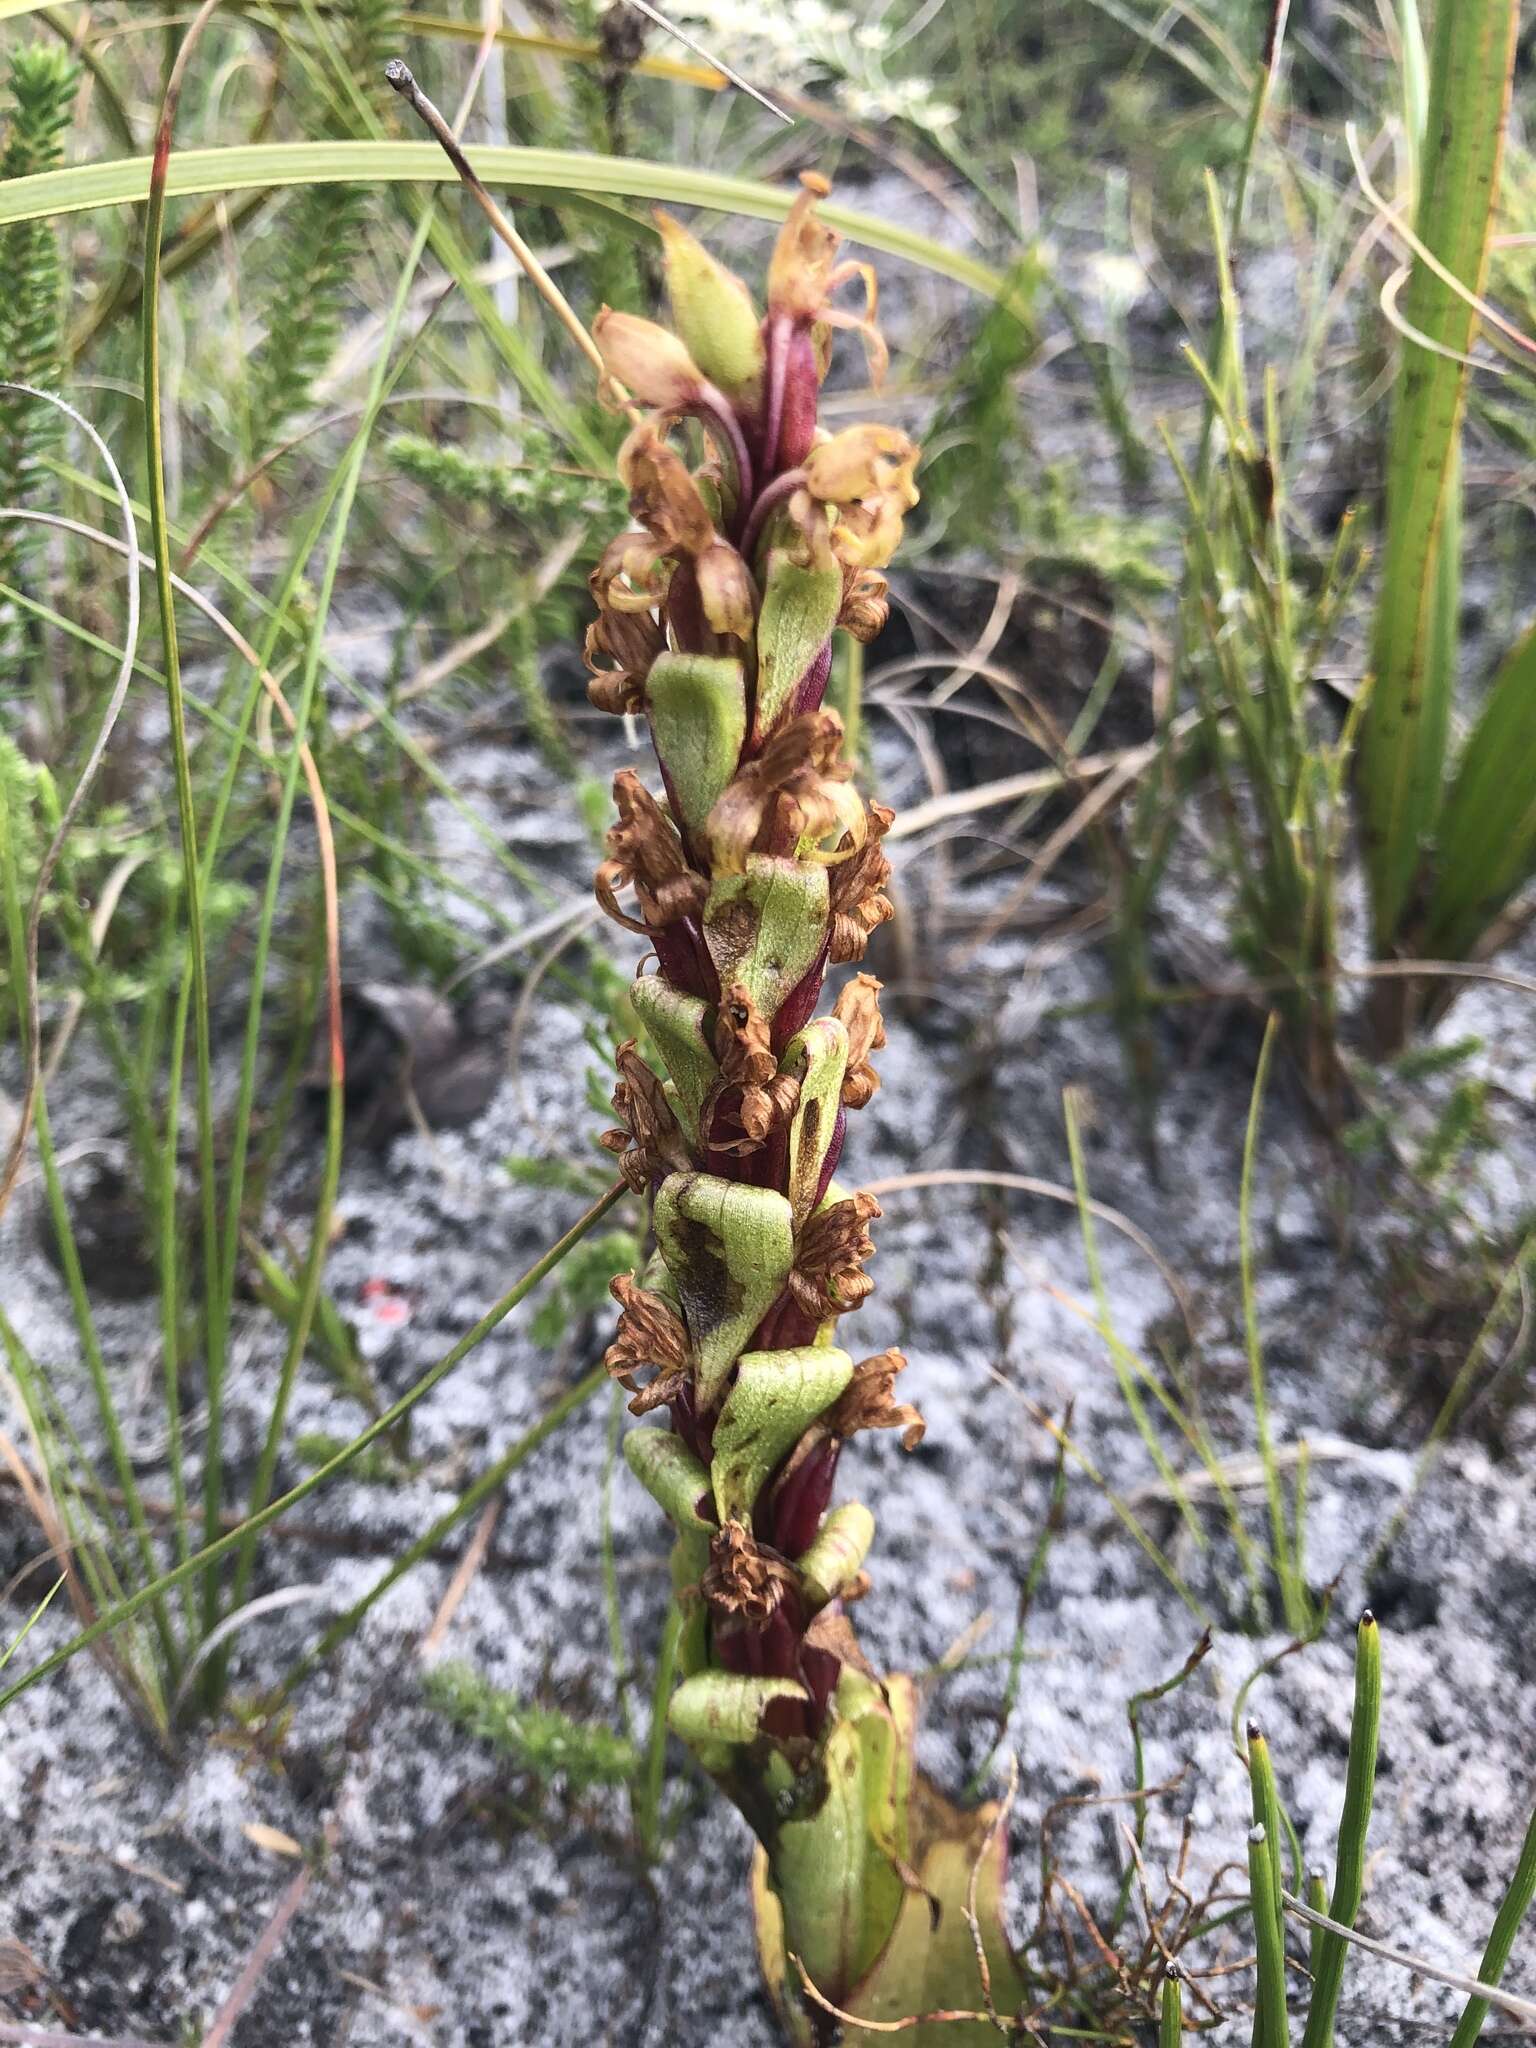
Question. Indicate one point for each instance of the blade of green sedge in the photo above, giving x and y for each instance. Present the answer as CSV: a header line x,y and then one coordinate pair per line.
x,y
1266,1809
1171,2033
1349,1872
1271,2026
1517,1903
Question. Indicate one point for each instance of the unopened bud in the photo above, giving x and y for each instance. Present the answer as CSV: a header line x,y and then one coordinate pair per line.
x,y
714,313
726,592
649,360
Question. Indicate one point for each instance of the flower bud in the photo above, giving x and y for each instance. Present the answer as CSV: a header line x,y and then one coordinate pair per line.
x,y
726,592
714,313
648,360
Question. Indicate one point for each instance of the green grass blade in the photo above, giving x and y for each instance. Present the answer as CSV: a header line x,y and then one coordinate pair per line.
x,y
1401,762
1487,837
1266,1808
648,1798
1517,1903
211,1553
1292,1591
216,1322
1349,1873
1170,2033
30,1623
1272,2028
546,172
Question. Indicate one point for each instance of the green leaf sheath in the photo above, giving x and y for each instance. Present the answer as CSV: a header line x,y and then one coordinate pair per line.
x,y
1402,743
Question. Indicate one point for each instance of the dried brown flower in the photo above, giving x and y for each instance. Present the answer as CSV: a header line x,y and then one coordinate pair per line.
x,y
796,789
858,1010
650,1140
867,1402
748,1063
858,902
866,604
651,1337
621,642
828,1277
646,850
742,1577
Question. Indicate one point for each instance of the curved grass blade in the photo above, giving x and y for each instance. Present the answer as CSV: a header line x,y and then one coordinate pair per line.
x,y
544,172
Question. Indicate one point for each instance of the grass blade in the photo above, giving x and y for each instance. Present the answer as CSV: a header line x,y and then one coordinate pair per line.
x,y
1272,2027
1487,836
548,172
1266,1808
1171,2032
490,1483
1401,762
1349,1873
1517,1903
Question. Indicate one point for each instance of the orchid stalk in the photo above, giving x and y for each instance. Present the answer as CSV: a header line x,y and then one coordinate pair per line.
x,y
755,871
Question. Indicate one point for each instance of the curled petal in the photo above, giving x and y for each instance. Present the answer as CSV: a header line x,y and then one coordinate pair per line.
x,y
858,1011
858,900
863,462
804,256
663,495
828,1277
869,1403
866,604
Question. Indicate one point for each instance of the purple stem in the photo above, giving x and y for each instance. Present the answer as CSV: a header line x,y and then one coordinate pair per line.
x,y
778,336
812,686
714,408
775,494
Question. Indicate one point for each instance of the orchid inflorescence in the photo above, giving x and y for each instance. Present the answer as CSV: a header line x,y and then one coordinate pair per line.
x,y
758,534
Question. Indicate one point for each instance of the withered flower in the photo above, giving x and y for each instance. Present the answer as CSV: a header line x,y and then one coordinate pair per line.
x,y
790,797
857,1009
868,1402
742,1577
651,1337
804,273
644,849
649,1140
749,1064
621,642
828,1278
859,905
663,495
866,604
867,474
